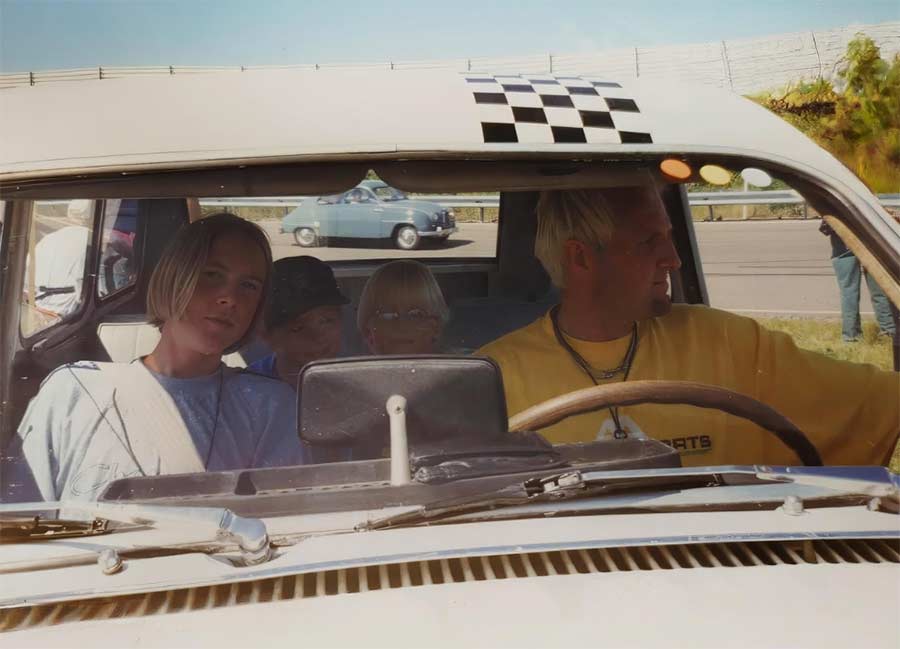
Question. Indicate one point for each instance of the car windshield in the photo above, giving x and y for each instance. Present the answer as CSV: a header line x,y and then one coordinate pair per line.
x,y
492,339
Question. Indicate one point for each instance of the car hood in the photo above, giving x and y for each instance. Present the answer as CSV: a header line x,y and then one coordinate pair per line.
x,y
755,606
64,569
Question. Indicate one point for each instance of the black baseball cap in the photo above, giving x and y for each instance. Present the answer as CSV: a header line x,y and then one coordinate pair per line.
x,y
300,284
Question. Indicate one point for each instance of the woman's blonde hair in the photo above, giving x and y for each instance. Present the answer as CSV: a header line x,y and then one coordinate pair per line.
x,y
405,282
175,276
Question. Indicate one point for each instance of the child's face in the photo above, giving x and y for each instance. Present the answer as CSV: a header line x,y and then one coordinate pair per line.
x,y
403,329
312,336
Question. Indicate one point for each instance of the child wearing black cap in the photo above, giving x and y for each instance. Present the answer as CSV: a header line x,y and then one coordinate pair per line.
x,y
303,318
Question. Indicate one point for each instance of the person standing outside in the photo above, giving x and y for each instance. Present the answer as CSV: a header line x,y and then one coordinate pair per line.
x,y
848,271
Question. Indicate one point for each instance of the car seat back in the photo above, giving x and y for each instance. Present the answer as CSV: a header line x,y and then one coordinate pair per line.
x,y
129,338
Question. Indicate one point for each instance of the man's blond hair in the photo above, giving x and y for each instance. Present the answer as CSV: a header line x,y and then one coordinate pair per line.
x,y
405,283
175,276
581,214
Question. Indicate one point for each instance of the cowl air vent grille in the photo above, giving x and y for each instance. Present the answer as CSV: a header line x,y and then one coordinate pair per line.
x,y
479,568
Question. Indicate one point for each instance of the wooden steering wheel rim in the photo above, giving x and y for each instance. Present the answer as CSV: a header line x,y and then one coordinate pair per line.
x,y
676,392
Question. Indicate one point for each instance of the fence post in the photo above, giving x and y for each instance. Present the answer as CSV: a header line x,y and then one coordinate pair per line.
x,y
727,66
744,206
468,65
550,57
31,78
818,56
100,70
637,65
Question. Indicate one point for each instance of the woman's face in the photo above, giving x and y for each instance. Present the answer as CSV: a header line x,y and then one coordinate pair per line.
x,y
226,298
403,329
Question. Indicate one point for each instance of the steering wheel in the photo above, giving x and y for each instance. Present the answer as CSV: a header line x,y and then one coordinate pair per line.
x,y
680,392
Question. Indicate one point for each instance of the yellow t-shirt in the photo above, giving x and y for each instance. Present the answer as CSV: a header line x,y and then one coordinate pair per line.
x,y
850,412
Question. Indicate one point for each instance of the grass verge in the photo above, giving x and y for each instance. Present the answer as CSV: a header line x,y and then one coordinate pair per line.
x,y
824,336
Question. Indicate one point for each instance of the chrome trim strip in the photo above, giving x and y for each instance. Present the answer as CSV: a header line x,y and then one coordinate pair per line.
x,y
254,574
446,232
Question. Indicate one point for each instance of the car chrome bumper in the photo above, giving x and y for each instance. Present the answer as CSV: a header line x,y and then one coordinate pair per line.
x,y
446,232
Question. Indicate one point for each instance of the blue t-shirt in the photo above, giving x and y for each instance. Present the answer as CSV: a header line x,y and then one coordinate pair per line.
x,y
314,454
264,366
73,441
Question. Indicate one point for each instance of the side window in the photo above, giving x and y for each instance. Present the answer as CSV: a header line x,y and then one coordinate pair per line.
x,y
354,196
59,242
769,255
117,268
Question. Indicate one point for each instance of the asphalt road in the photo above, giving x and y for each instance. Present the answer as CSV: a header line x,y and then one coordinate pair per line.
x,y
758,267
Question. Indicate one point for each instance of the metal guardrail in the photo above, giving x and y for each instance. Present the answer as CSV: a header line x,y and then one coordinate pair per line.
x,y
485,201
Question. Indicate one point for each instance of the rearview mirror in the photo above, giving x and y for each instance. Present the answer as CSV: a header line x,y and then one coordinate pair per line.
x,y
342,402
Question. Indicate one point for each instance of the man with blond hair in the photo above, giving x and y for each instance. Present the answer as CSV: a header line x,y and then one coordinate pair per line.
x,y
610,252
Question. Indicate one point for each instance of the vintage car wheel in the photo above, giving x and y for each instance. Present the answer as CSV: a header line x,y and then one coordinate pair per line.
x,y
676,392
306,237
406,238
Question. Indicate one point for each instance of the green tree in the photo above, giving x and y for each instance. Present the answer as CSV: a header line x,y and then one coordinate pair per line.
x,y
859,124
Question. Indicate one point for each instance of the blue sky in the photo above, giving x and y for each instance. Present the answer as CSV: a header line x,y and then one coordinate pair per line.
x,y
53,34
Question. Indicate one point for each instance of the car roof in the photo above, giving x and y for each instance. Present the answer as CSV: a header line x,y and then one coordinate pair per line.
x,y
64,128
373,184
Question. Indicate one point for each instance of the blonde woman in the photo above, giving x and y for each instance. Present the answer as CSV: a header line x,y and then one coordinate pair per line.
x,y
178,409
402,310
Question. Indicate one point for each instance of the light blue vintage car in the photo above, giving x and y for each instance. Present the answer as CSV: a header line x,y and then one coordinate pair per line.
x,y
371,210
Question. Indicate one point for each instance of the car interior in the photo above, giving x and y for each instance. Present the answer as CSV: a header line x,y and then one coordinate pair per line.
x,y
487,297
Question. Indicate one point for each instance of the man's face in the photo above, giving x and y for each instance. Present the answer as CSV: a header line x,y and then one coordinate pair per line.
x,y
227,295
311,336
632,271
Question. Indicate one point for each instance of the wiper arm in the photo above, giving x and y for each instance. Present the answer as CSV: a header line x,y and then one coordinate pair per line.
x,y
250,534
15,530
561,486
867,481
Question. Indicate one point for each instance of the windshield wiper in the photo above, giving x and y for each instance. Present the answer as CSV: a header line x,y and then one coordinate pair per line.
x,y
863,481
16,530
561,486
250,534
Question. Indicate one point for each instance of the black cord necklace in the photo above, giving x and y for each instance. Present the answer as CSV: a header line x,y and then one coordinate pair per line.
x,y
212,439
595,376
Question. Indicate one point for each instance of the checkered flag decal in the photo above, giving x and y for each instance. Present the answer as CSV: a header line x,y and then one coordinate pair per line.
x,y
545,110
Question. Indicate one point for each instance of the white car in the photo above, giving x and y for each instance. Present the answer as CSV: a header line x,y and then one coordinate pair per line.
x,y
483,539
